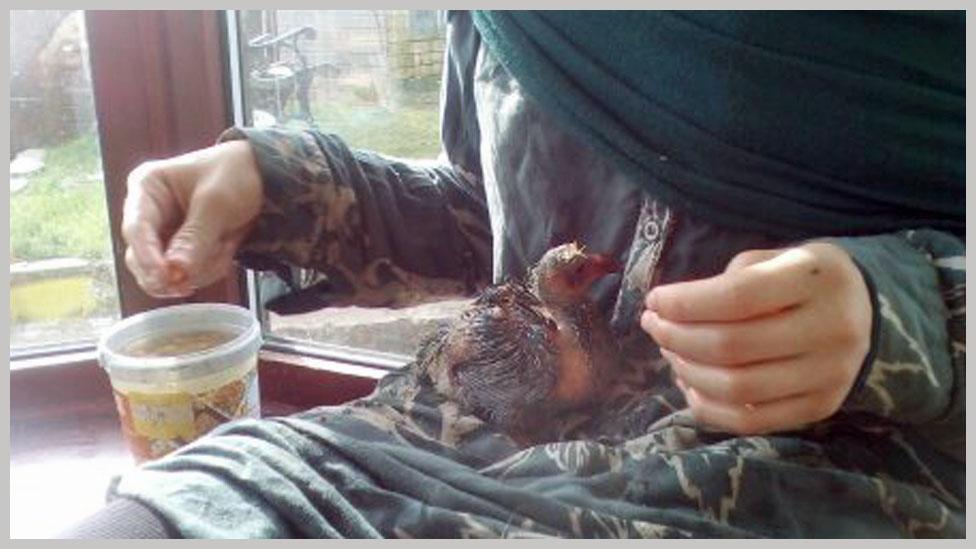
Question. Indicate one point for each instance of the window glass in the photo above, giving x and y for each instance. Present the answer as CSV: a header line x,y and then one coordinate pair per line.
x,y
62,279
373,78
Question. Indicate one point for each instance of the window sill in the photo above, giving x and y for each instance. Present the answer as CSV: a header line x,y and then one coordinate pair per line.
x,y
56,386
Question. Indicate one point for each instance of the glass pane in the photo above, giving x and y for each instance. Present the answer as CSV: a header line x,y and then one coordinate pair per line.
x,y
373,78
370,76
62,279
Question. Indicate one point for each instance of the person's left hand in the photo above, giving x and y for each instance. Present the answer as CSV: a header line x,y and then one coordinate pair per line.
x,y
772,344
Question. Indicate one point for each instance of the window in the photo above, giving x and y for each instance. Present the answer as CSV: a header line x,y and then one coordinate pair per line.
x,y
62,277
373,78
170,98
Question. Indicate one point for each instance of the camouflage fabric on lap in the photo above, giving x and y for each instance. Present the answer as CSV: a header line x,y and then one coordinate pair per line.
x,y
403,463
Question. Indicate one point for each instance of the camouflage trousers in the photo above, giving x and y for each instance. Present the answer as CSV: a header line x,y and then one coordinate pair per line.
x,y
404,462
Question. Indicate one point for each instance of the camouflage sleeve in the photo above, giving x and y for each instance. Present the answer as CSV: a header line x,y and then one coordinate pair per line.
x,y
915,373
375,231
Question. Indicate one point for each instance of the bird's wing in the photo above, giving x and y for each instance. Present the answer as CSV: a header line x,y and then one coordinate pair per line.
x,y
510,366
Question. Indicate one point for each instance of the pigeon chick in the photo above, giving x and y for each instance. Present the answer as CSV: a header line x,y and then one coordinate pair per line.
x,y
524,353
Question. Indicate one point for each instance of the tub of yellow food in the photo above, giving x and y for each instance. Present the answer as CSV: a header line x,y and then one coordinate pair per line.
x,y
178,372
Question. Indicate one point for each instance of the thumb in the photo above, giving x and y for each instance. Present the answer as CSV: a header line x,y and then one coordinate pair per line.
x,y
191,252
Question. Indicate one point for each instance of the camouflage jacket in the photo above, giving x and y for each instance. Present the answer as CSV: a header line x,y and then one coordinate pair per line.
x,y
510,184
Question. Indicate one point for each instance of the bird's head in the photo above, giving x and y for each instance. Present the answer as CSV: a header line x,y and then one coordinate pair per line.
x,y
565,273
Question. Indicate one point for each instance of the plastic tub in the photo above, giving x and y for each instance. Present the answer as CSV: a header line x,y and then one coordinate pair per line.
x,y
178,372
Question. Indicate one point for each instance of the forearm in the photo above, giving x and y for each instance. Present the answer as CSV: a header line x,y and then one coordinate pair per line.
x,y
916,372
383,231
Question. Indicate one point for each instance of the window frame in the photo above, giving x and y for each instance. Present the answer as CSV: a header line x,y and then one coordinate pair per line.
x,y
164,50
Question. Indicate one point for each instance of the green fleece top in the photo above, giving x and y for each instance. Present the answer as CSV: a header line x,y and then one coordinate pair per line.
x,y
809,123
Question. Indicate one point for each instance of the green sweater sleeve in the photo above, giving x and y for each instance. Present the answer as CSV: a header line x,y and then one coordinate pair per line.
x,y
374,230
915,373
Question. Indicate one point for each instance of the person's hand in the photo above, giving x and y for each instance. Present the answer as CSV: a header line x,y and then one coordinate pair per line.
x,y
185,217
772,344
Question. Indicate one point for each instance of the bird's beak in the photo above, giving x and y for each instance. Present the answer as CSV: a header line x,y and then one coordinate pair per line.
x,y
602,264
598,266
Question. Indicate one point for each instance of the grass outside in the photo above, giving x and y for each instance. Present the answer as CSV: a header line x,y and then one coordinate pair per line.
x,y
62,211
409,132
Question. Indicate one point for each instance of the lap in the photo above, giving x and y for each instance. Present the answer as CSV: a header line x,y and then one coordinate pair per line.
x,y
406,462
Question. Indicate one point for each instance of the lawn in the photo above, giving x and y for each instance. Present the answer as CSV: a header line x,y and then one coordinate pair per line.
x,y
409,132
62,211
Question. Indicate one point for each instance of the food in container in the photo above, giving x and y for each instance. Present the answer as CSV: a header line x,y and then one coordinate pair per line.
x,y
178,372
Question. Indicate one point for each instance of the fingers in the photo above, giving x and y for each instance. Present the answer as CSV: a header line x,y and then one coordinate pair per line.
x,y
151,213
750,257
148,211
755,284
781,336
185,216
196,254
148,280
773,343
144,255
757,383
780,415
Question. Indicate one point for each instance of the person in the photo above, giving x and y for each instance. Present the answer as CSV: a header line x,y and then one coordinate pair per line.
x,y
812,381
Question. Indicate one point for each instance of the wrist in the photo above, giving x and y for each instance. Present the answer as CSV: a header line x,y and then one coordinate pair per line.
x,y
248,184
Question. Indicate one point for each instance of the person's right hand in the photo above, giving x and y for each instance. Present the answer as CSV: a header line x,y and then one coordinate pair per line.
x,y
185,217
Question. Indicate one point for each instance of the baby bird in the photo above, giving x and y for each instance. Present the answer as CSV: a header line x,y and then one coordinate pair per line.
x,y
525,352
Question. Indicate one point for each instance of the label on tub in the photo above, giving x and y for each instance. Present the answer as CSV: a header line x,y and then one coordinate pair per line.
x,y
155,424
